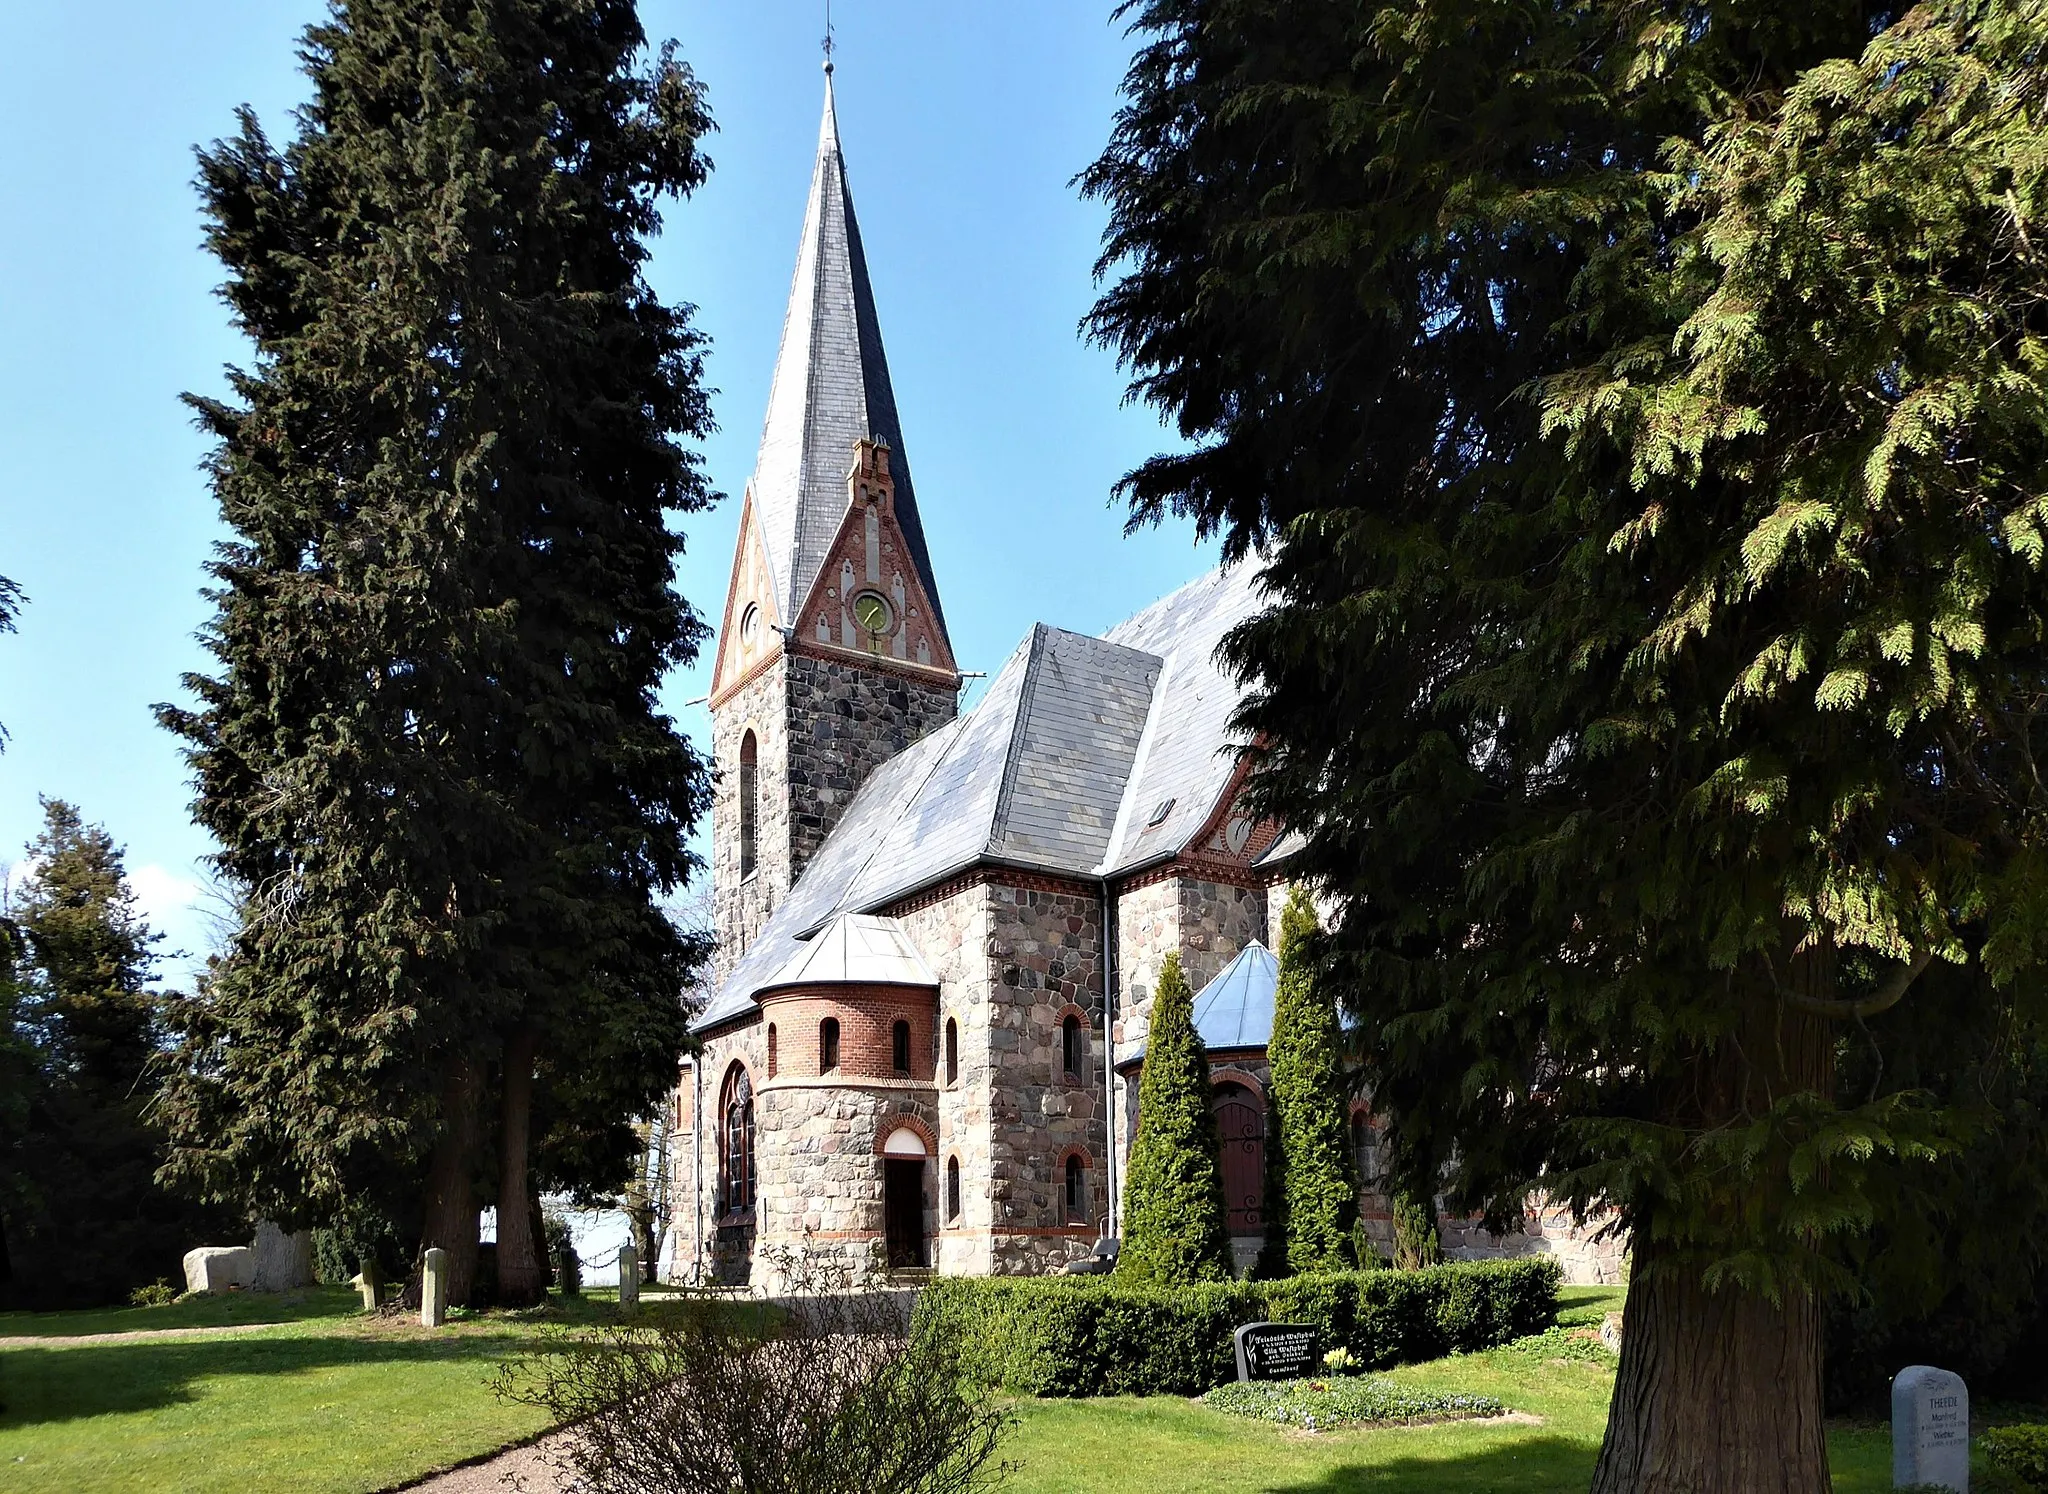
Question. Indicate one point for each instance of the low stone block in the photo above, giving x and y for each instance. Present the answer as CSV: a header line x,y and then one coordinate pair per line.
x,y
434,1289
219,1268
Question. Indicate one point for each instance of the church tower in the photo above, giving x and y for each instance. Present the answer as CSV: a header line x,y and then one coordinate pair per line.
x,y
833,654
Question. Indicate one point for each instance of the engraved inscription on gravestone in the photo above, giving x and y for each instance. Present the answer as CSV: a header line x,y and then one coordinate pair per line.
x,y
1930,1428
1275,1351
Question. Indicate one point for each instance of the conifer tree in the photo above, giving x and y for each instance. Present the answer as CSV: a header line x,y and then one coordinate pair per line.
x,y
1645,416
431,752
1313,1179
84,1217
1174,1226
10,604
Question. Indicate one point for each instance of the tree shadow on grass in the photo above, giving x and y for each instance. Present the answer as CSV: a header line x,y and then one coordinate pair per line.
x,y
1529,1465
55,1385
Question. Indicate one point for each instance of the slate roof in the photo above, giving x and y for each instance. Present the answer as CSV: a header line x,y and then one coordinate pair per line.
x,y
1056,769
831,389
856,949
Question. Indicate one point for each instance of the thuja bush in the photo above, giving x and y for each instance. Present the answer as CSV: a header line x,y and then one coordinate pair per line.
x,y
1078,1336
1174,1229
826,1391
1312,1186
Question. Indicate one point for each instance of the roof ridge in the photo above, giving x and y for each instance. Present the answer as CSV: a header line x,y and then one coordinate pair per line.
x,y
1006,792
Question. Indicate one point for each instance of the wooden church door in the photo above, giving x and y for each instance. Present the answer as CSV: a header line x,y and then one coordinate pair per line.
x,y
1241,1128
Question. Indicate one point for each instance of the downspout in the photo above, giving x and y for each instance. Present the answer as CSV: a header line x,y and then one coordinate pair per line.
x,y
697,1169
1109,995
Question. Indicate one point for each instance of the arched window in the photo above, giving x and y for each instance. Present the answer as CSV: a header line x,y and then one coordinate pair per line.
x,y
1077,1191
828,1045
736,1148
899,1046
750,807
771,1050
952,1189
1071,1043
952,1051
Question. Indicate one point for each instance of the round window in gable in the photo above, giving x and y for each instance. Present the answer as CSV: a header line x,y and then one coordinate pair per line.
x,y
750,624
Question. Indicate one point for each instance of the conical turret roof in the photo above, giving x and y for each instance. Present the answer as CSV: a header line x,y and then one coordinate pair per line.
x,y
831,389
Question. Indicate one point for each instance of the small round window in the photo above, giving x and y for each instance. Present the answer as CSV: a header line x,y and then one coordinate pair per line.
x,y
871,612
750,624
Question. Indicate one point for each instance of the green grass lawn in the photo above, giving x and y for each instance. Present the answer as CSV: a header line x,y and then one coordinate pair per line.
x,y
323,1399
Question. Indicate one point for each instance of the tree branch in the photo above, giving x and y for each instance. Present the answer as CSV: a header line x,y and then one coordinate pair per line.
x,y
1886,996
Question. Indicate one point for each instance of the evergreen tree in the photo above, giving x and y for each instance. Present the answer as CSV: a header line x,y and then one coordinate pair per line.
x,y
84,1219
431,753
1174,1226
10,604
1645,415
1312,1178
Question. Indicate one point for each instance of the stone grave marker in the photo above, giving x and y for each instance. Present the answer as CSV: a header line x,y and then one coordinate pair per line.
x,y
370,1283
434,1289
1930,1428
1275,1351
629,1279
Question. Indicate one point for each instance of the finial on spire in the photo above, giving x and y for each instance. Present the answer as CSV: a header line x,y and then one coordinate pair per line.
x,y
828,36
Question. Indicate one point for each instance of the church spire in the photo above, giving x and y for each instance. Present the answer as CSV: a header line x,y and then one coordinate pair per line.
x,y
831,390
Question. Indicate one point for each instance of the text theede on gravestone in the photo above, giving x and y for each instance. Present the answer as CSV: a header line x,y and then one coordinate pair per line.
x,y
1275,1351
1930,1428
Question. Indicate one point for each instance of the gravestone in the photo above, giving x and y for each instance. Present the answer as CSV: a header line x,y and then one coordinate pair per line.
x,y
629,1279
1275,1351
370,1283
284,1263
1930,1428
434,1289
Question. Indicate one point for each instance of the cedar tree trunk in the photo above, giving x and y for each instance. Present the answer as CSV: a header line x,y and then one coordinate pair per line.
x,y
522,1280
1719,1392
451,1211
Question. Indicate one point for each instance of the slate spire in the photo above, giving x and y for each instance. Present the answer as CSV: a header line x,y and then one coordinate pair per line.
x,y
831,389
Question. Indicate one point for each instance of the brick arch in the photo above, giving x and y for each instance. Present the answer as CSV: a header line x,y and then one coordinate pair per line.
x,y
891,1124
1228,1075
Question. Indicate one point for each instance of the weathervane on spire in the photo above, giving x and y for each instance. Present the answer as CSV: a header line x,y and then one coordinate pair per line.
x,y
828,35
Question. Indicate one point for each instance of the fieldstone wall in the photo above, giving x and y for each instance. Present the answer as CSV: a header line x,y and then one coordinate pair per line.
x,y
708,1246
846,720
1592,1254
1046,949
821,725
953,934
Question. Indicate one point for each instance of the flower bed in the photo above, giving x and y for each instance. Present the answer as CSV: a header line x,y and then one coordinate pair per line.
x,y
1344,1401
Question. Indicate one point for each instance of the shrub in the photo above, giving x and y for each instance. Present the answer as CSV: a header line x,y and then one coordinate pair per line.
x,y
159,1293
1174,1227
1317,1405
1312,1186
2021,1452
1084,1336
1416,1243
829,1392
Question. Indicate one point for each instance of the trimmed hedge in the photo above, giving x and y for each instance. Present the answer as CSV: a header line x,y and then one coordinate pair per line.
x,y
2021,1452
1084,1336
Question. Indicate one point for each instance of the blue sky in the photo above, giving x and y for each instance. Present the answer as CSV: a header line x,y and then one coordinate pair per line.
x,y
962,124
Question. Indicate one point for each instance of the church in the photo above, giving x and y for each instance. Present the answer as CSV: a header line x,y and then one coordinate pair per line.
x,y
938,933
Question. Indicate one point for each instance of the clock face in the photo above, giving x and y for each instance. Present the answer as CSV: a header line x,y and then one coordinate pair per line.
x,y
871,612
1238,834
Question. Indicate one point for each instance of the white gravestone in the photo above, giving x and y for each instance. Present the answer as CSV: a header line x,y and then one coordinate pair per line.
x,y
1930,1428
629,1279
434,1289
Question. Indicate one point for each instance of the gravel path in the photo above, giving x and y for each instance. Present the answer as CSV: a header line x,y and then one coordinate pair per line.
x,y
140,1335
523,1469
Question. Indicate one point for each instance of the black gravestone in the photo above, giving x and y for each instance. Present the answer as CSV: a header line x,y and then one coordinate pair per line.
x,y
1275,1351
